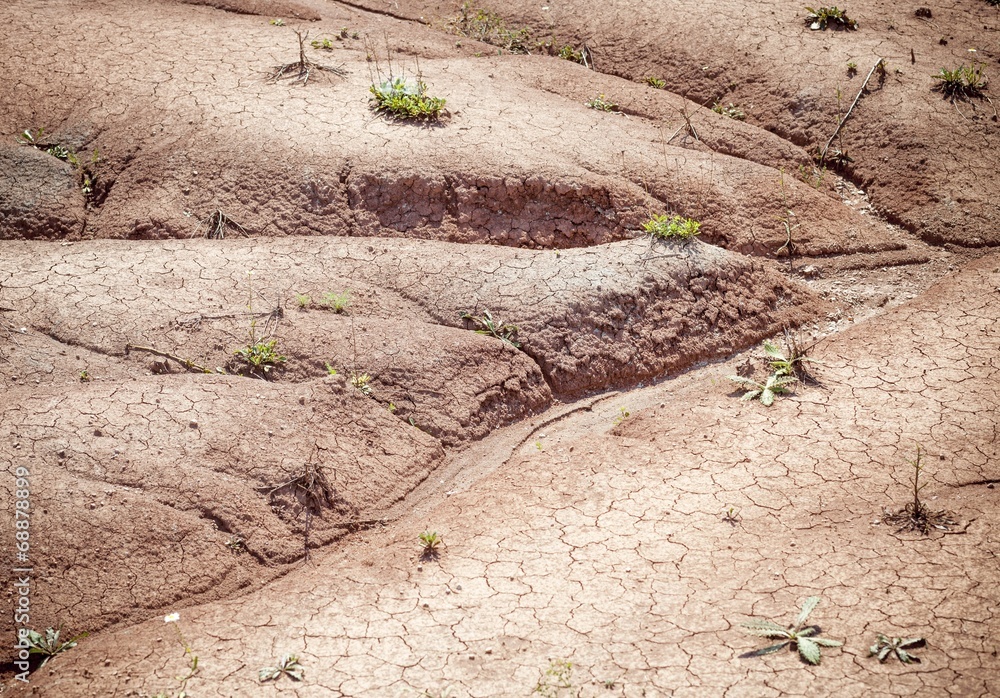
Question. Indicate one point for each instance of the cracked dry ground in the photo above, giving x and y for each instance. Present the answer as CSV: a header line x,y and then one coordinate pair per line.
x,y
580,483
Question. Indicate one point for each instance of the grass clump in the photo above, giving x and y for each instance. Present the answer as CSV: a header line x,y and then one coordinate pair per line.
x,y
288,665
962,82
337,302
672,227
400,99
823,17
656,83
489,28
798,634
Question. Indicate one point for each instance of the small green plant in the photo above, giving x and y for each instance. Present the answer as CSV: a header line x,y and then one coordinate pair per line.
x,y
361,382
330,370
601,103
236,544
731,516
558,676
852,68
798,634
288,665
392,407
494,328
962,82
302,300
732,111
489,27
337,302
538,445
568,53
192,658
400,99
430,544
85,376
672,227
277,22
789,361
623,414
260,355
819,19
766,391
656,83
324,44
885,647
48,645
916,515
85,175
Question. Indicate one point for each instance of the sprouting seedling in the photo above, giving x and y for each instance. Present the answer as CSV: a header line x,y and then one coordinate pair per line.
x,y
886,646
798,634
361,381
731,516
623,414
430,542
337,302
287,665
775,385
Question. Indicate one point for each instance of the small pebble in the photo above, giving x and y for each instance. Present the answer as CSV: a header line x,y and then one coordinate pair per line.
x,y
193,424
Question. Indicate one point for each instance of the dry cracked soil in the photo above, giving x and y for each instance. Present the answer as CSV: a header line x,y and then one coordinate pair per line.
x,y
257,338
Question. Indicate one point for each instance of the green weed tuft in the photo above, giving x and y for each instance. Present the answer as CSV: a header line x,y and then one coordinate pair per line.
x,y
819,19
672,227
962,82
399,99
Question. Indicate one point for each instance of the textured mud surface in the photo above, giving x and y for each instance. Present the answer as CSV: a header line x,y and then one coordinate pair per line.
x,y
580,471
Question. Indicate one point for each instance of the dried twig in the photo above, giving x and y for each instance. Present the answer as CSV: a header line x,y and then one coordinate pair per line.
x,y
186,363
879,64
217,224
302,68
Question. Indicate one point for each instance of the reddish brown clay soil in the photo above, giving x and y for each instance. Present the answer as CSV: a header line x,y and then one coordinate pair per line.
x,y
604,497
